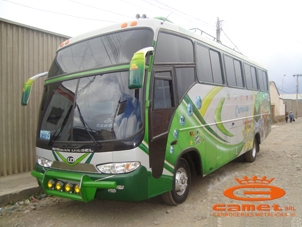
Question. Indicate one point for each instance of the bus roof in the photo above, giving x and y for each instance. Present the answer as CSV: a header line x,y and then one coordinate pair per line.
x,y
156,25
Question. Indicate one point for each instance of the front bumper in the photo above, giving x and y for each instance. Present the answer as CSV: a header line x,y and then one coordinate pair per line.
x,y
134,184
88,187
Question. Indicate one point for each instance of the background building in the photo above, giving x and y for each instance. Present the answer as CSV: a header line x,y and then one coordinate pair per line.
x,y
278,107
291,103
24,52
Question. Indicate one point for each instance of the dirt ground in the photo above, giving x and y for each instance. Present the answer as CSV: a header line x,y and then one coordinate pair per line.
x,y
280,157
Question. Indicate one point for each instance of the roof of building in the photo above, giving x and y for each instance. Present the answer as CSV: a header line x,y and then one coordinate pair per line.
x,y
33,28
291,96
274,84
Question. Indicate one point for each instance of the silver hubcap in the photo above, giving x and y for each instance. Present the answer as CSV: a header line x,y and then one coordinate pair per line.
x,y
181,181
254,151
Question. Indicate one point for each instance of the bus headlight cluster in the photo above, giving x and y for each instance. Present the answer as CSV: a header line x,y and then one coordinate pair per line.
x,y
117,168
63,186
44,162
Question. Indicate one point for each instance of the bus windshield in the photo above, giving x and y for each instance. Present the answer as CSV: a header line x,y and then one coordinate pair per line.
x,y
94,108
105,50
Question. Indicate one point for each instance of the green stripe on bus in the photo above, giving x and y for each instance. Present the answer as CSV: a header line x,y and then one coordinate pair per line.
x,y
75,75
77,161
218,121
89,159
201,119
55,156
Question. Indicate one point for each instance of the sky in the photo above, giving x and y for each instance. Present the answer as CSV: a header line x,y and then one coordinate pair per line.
x,y
267,31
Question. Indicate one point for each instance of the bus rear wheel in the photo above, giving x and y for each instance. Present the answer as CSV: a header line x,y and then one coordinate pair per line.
x,y
250,156
182,181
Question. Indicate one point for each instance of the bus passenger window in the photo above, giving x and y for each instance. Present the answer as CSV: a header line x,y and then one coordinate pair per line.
x,y
238,72
203,64
185,78
254,79
172,48
216,67
248,77
163,94
230,72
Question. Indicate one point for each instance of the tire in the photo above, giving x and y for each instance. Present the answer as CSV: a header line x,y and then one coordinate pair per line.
x,y
181,186
250,156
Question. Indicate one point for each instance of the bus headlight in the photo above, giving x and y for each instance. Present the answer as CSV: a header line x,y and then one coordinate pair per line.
x,y
117,168
44,162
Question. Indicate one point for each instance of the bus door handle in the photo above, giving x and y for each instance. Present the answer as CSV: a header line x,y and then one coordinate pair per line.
x,y
173,142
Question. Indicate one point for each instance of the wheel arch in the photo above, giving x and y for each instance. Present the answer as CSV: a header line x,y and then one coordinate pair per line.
x,y
192,156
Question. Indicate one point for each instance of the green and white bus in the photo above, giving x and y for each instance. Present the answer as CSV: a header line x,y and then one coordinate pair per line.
x,y
133,110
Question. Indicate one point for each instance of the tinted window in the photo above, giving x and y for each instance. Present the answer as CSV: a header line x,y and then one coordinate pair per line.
x,y
216,66
172,48
185,78
203,64
208,65
248,76
265,80
254,79
238,73
163,96
230,72
262,78
101,51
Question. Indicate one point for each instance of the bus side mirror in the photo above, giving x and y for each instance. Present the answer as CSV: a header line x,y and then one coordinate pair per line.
x,y
27,88
137,68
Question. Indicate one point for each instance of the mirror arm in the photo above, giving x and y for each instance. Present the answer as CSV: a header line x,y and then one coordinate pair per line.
x,y
27,87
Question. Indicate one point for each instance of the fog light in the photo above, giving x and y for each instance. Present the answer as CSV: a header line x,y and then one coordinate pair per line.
x,y
59,186
68,187
77,189
51,184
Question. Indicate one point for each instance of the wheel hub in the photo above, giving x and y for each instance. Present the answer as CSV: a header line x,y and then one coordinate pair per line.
x,y
181,181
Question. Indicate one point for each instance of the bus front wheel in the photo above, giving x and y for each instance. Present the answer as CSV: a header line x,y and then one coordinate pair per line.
x,y
250,156
182,181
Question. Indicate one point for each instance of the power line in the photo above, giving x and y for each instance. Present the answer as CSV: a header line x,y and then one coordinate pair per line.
x,y
183,13
64,14
108,11
139,6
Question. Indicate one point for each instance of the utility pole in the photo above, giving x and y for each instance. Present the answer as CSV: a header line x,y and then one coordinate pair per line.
x,y
218,29
297,92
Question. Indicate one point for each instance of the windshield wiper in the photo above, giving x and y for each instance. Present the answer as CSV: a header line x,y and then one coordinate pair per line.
x,y
61,127
84,124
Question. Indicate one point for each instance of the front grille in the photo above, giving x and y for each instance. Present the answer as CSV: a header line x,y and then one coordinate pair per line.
x,y
80,167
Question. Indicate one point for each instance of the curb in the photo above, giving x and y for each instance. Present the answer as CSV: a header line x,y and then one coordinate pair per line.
x,y
20,195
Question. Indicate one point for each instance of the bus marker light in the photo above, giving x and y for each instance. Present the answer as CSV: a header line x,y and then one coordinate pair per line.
x,y
120,187
124,25
68,187
77,189
133,23
59,186
50,184
66,42
112,190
